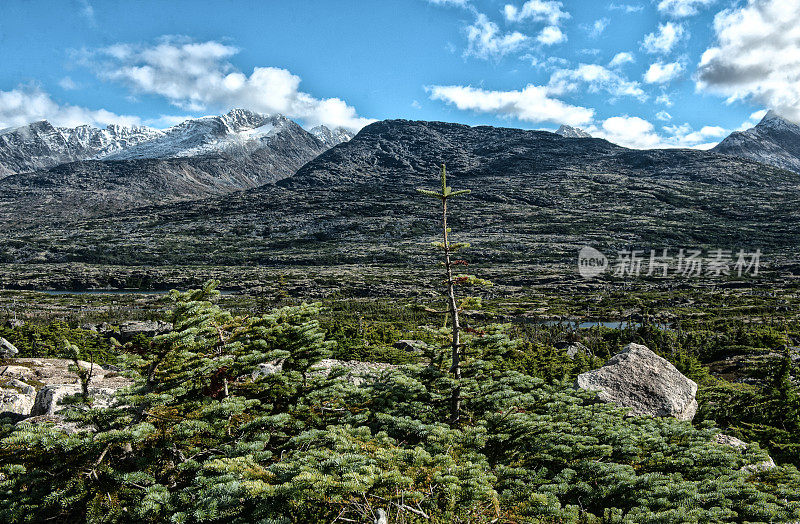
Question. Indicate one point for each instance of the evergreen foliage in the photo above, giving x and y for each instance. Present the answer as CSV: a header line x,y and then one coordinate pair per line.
x,y
199,439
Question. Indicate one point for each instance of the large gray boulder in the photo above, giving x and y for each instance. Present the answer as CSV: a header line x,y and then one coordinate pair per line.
x,y
639,379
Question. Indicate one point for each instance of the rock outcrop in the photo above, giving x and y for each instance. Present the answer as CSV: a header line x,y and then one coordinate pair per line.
x,y
16,396
573,349
639,379
738,444
31,387
357,372
411,346
49,398
147,328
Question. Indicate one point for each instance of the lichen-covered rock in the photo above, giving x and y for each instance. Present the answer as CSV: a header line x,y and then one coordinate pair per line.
x,y
727,440
16,396
357,372
49,398
148,328
412,346
58,422
268,368
576,348
639,379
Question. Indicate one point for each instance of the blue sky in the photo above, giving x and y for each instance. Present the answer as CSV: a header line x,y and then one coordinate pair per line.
x,y
641,73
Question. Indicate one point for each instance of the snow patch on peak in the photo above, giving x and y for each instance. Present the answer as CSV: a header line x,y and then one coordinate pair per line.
x,y
774,120
774,141
331,137
572,132
239,130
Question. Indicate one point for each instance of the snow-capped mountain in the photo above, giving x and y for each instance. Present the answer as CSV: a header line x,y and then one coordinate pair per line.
x,y
331,137
572,132
774,141
91,171
236,134
40,145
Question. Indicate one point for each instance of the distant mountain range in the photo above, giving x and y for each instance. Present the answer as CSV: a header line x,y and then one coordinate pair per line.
x,y
244,188
239,133
40,145
536,196
90,171
774,141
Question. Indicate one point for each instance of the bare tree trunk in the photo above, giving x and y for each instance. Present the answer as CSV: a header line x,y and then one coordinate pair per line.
x,y
455,399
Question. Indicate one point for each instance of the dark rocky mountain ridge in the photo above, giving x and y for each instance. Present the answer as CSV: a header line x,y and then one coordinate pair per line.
x,y
536,196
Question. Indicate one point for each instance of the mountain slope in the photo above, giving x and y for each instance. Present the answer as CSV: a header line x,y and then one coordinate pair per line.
x,y
537,197
774,141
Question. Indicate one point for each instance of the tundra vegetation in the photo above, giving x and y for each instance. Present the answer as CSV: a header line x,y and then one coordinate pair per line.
x,y
204,434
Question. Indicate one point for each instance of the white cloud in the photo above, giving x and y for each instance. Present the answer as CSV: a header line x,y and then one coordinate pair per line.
x,y
485,40
660,73
663,40
551,35
198,76
636,132
87,12
165,121
626,8
457,3
597,28
684,136
628,131
682,8
664,99
753,120
531,104
538,11
663,115
27,104
597,78
68,84
621,58
756,56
